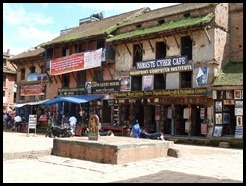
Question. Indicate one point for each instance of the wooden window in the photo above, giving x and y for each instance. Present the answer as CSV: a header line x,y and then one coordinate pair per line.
x,y
136,83
98,75
81,78
159,81
65,80
4,62
100,44
65,51
32,69
23,73
4,80
161,50
186,47
185,79
137,53
82,47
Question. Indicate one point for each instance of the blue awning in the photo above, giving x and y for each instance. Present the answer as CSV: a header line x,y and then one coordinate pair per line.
x,y
73,99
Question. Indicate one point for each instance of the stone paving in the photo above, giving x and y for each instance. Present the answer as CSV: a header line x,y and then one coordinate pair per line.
x,y
195,164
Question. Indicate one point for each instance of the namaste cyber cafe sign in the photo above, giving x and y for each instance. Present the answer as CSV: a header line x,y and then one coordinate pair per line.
x,y
158,66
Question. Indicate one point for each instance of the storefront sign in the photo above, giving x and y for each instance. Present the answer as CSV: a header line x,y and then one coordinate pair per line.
x,y
71,91
33,90
175,92
161,63
105,87
161,70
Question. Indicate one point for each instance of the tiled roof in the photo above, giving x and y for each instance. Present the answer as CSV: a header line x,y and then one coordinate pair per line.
x,y
168,11
231,74
95,28
165,27
29,53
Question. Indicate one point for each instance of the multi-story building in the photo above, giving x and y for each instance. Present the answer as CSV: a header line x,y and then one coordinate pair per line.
x,y
164,67
79,63
33,84
9,79
170,57
228,85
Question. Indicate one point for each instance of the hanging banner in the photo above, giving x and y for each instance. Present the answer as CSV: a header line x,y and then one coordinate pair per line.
x,y
76,62
33,90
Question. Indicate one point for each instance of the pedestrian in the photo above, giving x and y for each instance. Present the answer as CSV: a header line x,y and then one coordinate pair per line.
x,y
5,120
72,122
17,122
51,122
136,131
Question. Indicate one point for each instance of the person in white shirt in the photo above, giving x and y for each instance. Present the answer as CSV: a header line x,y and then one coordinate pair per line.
x,y
18,121
72,121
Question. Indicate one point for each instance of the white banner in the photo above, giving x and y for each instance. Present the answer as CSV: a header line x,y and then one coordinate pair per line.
x,y
93,59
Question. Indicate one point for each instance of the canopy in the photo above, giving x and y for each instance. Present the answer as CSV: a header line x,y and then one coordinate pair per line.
x,y
73,99
31,103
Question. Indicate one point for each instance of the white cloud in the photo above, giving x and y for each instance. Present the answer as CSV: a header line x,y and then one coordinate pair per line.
x,y
34,33
28,25
19,16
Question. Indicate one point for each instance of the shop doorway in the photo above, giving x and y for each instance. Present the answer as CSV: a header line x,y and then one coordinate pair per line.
x,y
139,114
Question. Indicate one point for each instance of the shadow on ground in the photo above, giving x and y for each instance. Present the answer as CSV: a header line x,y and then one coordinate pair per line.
x,y
175,177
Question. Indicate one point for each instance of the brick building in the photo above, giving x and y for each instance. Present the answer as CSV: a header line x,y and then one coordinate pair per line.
x,y
9,79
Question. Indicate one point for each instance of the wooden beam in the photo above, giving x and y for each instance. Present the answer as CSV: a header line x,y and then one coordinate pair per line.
x,y
60,78
14,66
55,78
114,46
176,40
165,41
91,74
127,48
49,77
74,76
111,75
27,64
192,39
39,65
209,39
152,48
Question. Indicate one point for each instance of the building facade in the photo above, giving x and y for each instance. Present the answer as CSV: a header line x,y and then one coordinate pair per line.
x,y
9,79
171,55
162,67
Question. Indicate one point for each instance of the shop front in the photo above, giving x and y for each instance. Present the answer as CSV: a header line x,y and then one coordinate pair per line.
x,y
174,112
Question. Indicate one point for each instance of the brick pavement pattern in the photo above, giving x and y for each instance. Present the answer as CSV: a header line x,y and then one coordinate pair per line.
x,y
195,164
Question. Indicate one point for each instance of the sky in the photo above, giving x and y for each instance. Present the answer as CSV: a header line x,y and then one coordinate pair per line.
x,y
26,25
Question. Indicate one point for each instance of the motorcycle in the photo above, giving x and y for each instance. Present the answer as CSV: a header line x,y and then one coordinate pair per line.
x,y
153,136
56,131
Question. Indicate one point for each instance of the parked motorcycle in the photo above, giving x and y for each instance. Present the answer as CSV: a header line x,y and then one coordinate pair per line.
x,y
56,131
154,136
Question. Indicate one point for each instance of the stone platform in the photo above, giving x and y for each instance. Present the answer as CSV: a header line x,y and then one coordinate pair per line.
x,y
110,149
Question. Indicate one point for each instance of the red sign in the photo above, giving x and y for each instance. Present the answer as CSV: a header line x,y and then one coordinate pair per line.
x,y
32,90
67,64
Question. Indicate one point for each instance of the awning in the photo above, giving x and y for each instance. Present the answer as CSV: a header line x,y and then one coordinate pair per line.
x,y
73,99
31,103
